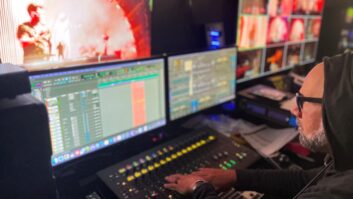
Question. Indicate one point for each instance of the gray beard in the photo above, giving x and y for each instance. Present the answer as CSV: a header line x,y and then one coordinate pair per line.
x,y
317,143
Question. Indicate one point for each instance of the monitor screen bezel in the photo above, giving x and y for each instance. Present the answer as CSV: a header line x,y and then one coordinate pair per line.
x,y
104,150
203,111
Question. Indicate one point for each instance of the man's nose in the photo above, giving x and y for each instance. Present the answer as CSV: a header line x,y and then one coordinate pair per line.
x,y
295,111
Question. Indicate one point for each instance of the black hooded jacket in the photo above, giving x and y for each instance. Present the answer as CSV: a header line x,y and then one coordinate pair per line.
x,y
332,181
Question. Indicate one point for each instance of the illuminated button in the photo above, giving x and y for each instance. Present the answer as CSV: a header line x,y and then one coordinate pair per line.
x,y
159,152
193,146
184,151
171,148
203,142
130,190
229,165
142,161
165,150
168,159
244,154
154,155
224,168
151,168
174,156
122,170
154,194
189,149
137,174
198,144
128,167
233,162
239,156
211,137
144,171
135,164
156,165
148,158
130,178
163,162
225,153
179,153
123,183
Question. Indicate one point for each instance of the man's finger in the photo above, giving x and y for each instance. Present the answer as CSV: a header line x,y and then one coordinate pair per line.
x,y
199,173
171,186
205,169
173,178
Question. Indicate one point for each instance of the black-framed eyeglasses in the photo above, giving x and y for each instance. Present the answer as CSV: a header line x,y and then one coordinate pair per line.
x,y
301,99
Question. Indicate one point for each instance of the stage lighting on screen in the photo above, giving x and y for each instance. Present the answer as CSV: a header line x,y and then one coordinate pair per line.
x,y
44,34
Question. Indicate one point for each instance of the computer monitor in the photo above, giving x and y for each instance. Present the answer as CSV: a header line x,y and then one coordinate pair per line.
x,y
93,107
275,35
200,80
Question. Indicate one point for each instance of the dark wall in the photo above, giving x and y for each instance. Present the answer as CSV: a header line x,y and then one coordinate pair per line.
x,y
178,25
332,24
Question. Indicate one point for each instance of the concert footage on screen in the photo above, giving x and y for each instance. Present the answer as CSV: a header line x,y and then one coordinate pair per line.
x,y
49,33
273,35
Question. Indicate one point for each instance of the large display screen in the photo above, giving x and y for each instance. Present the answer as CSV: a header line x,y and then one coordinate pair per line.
x,y
42,34
274,35
93,108
200,80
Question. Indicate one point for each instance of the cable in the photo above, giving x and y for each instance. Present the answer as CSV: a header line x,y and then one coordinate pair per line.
x,y
315,179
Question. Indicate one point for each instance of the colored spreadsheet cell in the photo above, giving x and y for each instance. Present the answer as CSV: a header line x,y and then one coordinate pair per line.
x,y
138,103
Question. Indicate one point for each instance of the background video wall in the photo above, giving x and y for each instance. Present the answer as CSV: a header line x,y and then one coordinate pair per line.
x,y
38,33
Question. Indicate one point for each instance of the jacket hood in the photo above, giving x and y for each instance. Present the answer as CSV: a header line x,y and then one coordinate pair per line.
x,y
338,108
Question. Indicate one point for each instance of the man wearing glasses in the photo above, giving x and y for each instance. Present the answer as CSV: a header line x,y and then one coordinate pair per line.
x,y
324,112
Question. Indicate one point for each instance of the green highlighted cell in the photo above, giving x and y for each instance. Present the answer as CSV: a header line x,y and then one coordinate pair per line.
x,y
112,83
88,76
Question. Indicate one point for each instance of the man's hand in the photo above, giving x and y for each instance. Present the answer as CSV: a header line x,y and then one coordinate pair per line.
x,y
219,178
182,183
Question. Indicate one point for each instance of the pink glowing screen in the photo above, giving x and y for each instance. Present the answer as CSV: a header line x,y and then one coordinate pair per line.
x,y
52,33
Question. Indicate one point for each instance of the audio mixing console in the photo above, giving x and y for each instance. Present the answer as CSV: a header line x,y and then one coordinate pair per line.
x,y
142,176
